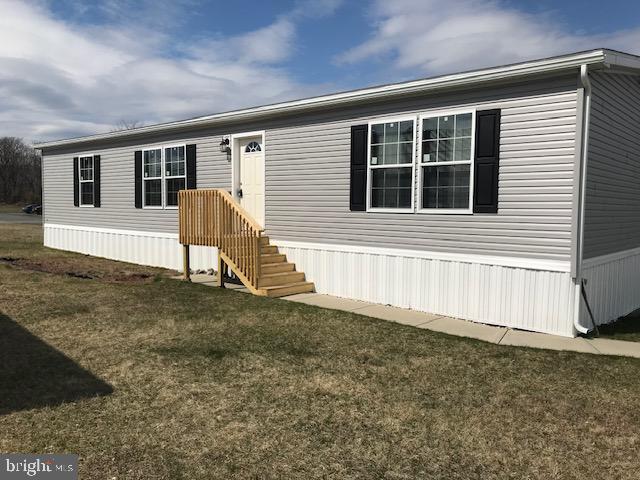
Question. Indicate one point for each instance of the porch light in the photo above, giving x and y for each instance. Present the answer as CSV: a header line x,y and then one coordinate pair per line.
x,y
224,145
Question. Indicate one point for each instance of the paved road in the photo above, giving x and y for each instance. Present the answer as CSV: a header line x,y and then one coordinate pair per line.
x,y
20,218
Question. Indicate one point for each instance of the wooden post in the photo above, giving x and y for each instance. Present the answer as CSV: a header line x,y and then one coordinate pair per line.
x,y
186,264
220,271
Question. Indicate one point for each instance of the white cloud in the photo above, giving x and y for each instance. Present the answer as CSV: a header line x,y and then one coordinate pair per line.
x,y
436,36
271,44
61,78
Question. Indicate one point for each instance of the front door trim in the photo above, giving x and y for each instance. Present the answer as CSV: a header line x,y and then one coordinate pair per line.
x,y
235,161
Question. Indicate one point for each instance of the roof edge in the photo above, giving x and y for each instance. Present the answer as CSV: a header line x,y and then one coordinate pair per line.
x,y
541,66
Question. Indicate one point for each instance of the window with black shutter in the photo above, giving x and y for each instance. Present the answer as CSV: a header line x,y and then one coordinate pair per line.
x,y
76,182
86,180
358,185
487,157
161,172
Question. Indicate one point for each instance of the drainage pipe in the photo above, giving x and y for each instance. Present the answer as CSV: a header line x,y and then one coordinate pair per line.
x,y
586,84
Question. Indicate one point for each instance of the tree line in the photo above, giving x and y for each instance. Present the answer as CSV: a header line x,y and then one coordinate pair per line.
x,y
20,172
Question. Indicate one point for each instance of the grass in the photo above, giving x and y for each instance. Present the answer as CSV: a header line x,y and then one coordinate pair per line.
x,y
159,379
627,328
11,208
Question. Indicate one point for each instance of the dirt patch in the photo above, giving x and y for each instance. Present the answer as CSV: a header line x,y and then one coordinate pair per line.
x,y
68,267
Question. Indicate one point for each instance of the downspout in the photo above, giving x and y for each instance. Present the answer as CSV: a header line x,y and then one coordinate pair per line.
x,y
586,84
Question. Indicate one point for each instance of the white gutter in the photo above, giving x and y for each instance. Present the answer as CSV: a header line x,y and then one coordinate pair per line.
x,y
586,83
536,67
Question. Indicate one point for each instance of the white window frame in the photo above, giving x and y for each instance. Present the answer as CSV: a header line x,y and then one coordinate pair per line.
x,y
163,177
420,164
168,177
92,181
144,180
378,121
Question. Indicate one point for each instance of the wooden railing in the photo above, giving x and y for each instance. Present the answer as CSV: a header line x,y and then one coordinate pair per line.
x,y
213,218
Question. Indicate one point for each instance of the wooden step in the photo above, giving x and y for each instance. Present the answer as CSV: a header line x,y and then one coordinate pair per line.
x,y
290,289
272,258
268,249
268,268
264,240
283,278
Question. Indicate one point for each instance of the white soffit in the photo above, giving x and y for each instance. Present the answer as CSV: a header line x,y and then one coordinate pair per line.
x,y
606,58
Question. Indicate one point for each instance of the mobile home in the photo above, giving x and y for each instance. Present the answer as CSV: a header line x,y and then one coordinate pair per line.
x,y
488,195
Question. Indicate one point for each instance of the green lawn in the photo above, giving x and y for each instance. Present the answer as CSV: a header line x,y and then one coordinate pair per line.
x,y
150,378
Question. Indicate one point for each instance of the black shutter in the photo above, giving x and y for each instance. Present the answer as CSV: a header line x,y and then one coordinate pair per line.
x,y
138,177
96,180
485,199
191,167
358,189
76,183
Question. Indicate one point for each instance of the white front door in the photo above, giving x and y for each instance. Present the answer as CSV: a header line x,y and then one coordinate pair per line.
x,y
252,177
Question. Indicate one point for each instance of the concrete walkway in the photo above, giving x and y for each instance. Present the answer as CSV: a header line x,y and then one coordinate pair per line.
x,y
19,217
455,326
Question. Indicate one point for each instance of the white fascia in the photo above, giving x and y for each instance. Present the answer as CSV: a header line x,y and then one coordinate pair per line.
x,y
537,67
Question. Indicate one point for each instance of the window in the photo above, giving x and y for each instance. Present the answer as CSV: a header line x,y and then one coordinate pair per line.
x,y
152,173
164,172
85,164
252,147
446,162
175,173
391,147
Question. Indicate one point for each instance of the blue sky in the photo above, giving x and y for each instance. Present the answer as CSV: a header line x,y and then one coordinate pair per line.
x,y
70,68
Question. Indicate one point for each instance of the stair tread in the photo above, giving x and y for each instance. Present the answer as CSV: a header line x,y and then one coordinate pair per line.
x,y
292,284
280,278
282,267
279,274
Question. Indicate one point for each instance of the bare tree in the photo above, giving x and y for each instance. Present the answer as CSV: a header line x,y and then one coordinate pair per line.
x,y
20,172
127,125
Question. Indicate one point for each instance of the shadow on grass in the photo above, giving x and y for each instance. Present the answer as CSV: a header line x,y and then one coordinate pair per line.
x,y
625,328
33,374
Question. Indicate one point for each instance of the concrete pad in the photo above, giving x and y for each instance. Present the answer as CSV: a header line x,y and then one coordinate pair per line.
x,y
202,278
211,281
234,286
464,328
398,315
298,297
334,303
521,338
623,348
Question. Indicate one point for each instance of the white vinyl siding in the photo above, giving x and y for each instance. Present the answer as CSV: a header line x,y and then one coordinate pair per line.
x,y
117,209
612,208
307,177
308,169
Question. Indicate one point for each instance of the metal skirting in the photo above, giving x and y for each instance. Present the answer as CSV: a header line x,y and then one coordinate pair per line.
x,y
144,248
528,298
516,297
613,286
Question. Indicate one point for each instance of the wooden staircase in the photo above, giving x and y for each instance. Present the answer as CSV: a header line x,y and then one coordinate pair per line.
x,y
278,277
213,218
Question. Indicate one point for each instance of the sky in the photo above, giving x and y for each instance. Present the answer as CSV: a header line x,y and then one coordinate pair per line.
x,y
70,68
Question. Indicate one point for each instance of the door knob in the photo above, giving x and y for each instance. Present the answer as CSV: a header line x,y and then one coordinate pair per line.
x,y
239,193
